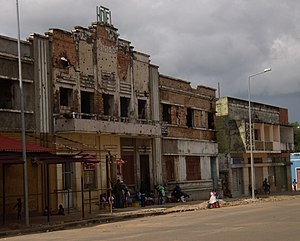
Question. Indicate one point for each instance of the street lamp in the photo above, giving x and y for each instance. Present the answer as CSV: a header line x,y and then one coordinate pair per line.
x,y
250,124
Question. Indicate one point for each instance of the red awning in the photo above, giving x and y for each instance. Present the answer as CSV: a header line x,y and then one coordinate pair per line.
x,y
58,159
8,144
11,153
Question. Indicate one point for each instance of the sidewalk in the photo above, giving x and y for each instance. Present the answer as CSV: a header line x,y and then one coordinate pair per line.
x,y
75,220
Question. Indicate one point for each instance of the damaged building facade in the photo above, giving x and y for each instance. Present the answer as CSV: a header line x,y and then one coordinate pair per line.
x,y
272,143
37,138
104,103
189,147
90,96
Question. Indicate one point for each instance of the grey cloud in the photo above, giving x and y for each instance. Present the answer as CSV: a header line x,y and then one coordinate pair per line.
x,y
202,41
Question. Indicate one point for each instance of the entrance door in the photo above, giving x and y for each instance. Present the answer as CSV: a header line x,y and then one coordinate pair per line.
x,y
144,170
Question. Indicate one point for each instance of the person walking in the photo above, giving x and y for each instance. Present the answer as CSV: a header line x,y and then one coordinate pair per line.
x,y
18,206
143,190
118,191
295,185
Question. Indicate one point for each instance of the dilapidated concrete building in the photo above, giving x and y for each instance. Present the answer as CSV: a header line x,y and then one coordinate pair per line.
x,y
106,113
104,102
11,162
189,147
272,144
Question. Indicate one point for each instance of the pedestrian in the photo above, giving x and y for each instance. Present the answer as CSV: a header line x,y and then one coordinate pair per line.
x,y
61,210
161,193
18,206
295,185
143,190
118,192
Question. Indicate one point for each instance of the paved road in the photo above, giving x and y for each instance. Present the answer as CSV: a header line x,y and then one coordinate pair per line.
x,y
268,221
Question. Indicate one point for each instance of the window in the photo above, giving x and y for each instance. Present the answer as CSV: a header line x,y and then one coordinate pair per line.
x,y
203,119
67,176
6,94
108,104
166,113
65,96
211,121
257,135
189,117
89,175
193,168
124,106
86,103
142,109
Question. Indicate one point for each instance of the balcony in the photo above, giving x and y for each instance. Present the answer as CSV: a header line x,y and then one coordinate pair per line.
x,y
78,122
289,147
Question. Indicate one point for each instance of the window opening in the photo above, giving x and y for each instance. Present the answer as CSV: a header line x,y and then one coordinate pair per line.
x,y
166,113
108,103
86,104
211,122
6,94
142,109
65,96
190,117
124,106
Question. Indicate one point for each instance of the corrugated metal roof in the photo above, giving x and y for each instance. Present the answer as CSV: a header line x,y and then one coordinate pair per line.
x,y
12,145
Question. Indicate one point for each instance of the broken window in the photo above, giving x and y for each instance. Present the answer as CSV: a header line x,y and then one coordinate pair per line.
x,y
64,62
211,121
108,104
65,96
124,106
142,109
189,117
6,94
166,113
193,168
86,103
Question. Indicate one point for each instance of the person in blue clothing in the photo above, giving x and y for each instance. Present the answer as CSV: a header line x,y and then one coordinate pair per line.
x,y
143,191
179,194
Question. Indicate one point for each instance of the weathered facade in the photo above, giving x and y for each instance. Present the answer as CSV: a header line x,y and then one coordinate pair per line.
x,y
189,148
103,102
272,143
11,165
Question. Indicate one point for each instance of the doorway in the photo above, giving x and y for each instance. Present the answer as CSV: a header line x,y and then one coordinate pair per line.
x,y
145,171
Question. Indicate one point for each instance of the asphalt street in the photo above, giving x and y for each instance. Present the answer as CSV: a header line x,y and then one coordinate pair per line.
x,y
262,221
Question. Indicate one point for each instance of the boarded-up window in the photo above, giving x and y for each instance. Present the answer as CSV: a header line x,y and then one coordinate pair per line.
x,y
170,168
193,168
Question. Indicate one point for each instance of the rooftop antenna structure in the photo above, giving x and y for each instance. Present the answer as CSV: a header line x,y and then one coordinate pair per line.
x,y
103,15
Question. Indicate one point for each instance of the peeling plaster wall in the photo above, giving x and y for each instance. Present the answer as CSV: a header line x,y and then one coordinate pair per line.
x,y
197,141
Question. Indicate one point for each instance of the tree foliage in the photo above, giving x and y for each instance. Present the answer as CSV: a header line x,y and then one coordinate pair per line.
x,y
296,127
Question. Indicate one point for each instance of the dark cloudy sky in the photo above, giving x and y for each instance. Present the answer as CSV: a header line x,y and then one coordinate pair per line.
x,y
205,42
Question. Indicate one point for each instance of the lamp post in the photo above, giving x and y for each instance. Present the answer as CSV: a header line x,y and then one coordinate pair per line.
x,y
25,179
250,125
